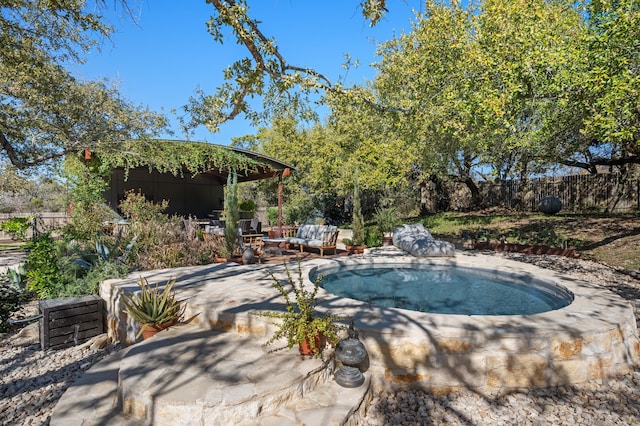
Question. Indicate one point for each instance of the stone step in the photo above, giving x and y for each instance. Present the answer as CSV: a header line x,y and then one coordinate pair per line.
x,y
328,404
188,375
185,375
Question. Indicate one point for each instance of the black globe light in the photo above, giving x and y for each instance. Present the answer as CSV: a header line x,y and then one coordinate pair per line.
x,y
351,353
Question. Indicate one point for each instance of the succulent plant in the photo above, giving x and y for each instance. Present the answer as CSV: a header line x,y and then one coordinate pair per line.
x,y
152,305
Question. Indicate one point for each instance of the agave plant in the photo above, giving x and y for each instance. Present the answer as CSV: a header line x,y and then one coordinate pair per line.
x,y
153,306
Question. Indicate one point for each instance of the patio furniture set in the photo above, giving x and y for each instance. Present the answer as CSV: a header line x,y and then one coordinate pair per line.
x,y
321,237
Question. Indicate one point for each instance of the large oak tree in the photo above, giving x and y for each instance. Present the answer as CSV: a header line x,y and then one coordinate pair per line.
x,y
45,112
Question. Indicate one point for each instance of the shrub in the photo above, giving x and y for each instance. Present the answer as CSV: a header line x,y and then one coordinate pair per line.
x,y
232,214
137,208
42,271
87,219
88,282
272,216
11,299
248,206
373,237
17,227
387,219
358,220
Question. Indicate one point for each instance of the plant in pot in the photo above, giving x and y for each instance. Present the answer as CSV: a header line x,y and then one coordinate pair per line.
x,y
154,308
301,324
387,220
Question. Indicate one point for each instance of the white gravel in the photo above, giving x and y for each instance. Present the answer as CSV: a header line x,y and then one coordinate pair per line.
x,y
32,380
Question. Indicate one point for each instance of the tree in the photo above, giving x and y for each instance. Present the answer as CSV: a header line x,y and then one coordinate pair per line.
x,y
598,122
46,113
489,90
265,72
232,214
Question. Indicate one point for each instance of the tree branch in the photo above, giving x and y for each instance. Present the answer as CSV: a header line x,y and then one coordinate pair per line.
x,y
268,60
11,153
592,165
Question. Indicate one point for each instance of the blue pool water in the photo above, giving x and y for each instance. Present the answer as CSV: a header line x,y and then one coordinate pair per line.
x,y
445,289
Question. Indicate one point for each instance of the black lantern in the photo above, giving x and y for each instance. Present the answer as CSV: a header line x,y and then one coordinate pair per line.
x,y
351,353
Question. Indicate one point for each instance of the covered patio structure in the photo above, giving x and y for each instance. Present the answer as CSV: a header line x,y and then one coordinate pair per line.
x,y
199,195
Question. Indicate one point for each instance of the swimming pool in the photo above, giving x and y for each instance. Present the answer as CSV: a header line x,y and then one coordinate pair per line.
x,y
445,289
592,337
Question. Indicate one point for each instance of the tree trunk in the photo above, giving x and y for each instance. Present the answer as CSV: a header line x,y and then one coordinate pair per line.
x,y
434,197
477,201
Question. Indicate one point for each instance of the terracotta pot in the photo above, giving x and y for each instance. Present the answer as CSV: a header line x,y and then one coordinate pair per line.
x,y
236,259
275,233
356,249
306,349
152,330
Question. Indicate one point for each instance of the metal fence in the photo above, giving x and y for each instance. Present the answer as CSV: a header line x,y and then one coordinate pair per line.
x,y
612,193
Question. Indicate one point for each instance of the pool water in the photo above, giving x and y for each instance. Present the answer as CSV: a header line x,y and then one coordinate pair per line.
x,y
445,289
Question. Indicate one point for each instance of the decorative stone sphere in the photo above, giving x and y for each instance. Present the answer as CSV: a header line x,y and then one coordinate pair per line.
x,y
550,204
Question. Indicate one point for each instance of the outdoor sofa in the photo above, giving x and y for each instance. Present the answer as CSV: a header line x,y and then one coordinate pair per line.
x,y
322,237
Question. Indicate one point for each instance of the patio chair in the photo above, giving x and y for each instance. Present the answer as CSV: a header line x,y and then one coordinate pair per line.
x,y
254,242
255,227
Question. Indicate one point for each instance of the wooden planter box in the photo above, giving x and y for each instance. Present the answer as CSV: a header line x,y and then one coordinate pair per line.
x,y
69,321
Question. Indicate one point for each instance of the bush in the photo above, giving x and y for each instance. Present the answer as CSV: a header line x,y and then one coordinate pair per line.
x,y
182,253
248,206
42,271
232,215
87,220
11,299
387,219
17,227
358,220
373,237
88,282
272,216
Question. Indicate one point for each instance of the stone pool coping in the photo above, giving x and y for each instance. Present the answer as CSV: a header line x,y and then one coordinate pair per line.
x,y
592,338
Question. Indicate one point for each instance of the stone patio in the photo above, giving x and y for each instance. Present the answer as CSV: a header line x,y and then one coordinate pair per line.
x,y
594,337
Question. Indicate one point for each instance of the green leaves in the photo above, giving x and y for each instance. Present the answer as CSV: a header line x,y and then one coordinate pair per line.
x,y
300,321
45,112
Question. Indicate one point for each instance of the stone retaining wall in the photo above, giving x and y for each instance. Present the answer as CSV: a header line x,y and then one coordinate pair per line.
x,y
592,338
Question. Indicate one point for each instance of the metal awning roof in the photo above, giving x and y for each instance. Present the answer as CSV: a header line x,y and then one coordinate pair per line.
x,y
268,167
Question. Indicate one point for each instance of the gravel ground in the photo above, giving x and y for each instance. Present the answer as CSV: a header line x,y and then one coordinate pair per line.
x,y
32,381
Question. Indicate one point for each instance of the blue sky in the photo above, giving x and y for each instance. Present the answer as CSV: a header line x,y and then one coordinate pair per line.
x,y
161,61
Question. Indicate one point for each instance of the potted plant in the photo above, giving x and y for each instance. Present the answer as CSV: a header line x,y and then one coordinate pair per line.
x,y
301,324
387,220
154,308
